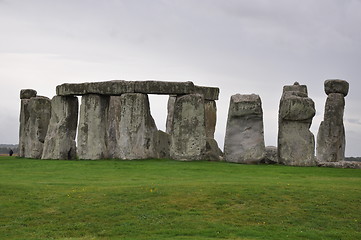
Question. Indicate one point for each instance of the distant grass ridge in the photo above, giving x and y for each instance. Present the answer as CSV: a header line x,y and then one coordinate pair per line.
x,y
166,199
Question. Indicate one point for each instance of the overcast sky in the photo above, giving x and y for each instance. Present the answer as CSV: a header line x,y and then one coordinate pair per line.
x,y
240,46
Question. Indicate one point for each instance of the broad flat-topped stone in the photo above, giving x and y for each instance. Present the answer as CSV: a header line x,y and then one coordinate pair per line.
x,y
296,87
119,87
27,93
336,86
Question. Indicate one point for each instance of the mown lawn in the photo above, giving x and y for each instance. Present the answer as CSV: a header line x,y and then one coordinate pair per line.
x,y
164,199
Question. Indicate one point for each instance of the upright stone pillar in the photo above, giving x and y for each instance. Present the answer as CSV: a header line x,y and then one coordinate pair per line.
x,y
39,117
25,96
92,137
296,144
331,134
244,141
188,132
134,130
60,138
170,114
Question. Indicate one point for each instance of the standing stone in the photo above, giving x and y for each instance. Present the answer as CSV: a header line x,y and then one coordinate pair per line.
x,y
136,132
25,95
188,134
39,117
92,137
331,134
60,138
170,114
244,141
114,116
296,144
210,117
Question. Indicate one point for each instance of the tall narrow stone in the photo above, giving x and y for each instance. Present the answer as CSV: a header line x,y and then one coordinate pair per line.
x,y
331,134
25,96
296,144
92,137
244,141
60,138
188,133
39,117
113,124
170,113
136,132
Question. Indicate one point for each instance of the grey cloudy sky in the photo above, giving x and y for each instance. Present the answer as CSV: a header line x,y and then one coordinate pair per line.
x,y
240,46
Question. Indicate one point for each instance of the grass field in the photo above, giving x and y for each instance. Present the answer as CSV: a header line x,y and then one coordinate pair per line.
x,y
164,199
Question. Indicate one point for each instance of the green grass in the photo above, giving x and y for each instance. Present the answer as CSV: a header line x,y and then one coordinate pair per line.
x,y
164,199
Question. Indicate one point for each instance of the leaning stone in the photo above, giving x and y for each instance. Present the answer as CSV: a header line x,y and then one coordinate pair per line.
x,y
137,130
209,93
331,133
92,137
336,86
60,138
296,144
188,134
244,141
161,87
213,152
39,117
27,93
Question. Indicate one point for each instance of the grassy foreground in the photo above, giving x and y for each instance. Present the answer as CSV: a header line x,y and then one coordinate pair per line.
x,y
164,199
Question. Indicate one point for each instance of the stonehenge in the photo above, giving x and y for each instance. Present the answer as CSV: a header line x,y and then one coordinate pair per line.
x,y
114,121
331,133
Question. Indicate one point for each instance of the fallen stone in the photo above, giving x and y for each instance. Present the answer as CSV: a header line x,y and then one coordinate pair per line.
x,y
27,93
60,138
336,86
92,131
244,141
341,164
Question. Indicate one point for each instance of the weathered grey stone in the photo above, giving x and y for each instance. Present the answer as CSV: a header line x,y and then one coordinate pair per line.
x,y
39,117
119,87
113,123
210,117
331,134
161,87
213,152
244,141
188,134
24,128
27,93
296,87
92,137
209,93
336,86
163,144
114,87
60,138
341,164
271,155
138,133
170,113
296,144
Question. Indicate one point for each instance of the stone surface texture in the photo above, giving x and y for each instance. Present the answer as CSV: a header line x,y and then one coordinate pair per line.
x,y
39,116
296,144
341,164
24,127
92,134
119,87
188,132
271,155
170,113
27,93
136,133
60,138
244,140
336,86
331,133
